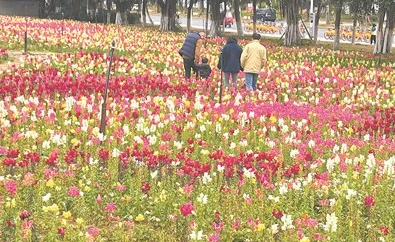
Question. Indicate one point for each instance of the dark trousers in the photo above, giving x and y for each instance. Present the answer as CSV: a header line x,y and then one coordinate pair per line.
x,y
188,65
373,39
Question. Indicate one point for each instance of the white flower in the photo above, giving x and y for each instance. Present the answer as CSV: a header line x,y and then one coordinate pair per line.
x,y
220,168
115,153
331,223
274,228
202,198
154,174
283,189
46,197
350,193
206,178
196,236
287,222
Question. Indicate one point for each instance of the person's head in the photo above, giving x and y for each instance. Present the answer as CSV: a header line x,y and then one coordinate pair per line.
x,y
204,60
374,25
256,36
202,35
231,39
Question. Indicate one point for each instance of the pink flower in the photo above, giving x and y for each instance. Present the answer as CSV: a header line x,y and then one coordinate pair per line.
x,y
73,192
121,187
186,209
236,224
369,201
11,187
111,207
98,199
214,238
93,231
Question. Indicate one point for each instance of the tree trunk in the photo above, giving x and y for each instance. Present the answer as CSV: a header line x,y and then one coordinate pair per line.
x,y
143,12
390,27
336,42
354,28
254,18
239,25
380,32
317,19
215,18
189,14
122,15
109,3
292,33
168,15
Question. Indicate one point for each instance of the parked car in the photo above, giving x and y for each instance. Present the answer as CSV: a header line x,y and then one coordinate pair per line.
x,y
266,14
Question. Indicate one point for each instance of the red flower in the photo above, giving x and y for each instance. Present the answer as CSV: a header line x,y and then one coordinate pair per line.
x,y
9,162
384,230
145,187
277,213
12,153
61,231
186,209
369,201
24,214
104,154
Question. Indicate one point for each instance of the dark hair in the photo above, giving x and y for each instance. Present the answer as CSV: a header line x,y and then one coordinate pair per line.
x,y
231,39
204,60
256,36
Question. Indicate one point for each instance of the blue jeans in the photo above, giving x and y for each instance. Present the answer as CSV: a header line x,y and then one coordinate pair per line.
x,y
227,78
251,79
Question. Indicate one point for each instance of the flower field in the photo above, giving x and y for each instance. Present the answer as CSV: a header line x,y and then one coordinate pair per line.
x,y
308,157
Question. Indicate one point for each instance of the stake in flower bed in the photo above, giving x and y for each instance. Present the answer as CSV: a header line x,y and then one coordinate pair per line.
x,y
104,104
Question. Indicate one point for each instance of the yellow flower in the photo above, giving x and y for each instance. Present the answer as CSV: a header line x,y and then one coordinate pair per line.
x,y
50,183
261,227
273,119
140,218
67,214
10,204
80,221
305,239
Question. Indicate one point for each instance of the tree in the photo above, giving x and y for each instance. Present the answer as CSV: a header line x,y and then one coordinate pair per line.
x,y
215,17
239,25
122,10
385,34
338,13
292,33
168,14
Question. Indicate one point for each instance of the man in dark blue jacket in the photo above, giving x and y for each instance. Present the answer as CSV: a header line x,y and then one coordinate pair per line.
x,y
190,51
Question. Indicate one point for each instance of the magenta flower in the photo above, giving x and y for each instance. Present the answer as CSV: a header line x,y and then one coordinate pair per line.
x,y
11,187
186,209
110,207
74,192
369,201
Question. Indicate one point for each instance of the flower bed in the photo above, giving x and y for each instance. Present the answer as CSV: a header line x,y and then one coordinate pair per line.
x,y
309,157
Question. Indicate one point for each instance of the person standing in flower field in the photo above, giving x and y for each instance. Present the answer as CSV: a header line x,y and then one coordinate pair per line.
x,y
229,61
190,51
373,34
204,69
252,61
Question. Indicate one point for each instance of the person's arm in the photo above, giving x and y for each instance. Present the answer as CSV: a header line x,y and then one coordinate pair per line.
x,y
198,48
243,57
263,58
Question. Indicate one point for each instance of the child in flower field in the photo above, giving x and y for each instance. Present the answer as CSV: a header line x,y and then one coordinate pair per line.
x,y
204,69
